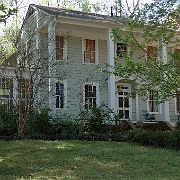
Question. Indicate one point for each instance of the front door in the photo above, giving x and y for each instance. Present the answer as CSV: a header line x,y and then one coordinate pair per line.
x,y
123,101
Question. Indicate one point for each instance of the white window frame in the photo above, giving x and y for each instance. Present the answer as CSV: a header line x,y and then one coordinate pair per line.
x,y
9,98
96,50
64,49
64,82
97,93
175,101
130,98
148,108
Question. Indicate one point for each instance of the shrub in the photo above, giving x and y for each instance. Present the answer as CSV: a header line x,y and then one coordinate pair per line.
x,y
93,121
8,121
39,122
168,139
64,125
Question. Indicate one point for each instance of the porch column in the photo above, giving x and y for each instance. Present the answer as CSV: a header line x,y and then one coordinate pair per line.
x,y
137,107
52,66
163,59
111,77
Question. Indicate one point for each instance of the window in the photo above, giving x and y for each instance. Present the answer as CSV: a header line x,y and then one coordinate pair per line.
x,y
121,50
60,95
6,92
89,51
90,92
177,56
151,53
59,47
153,103
25,89
25,94
123,101
177,103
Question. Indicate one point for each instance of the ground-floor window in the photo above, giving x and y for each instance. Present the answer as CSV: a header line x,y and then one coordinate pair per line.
x,y
153,105
25,95
6,92
90,96
61,94
123,101
177,103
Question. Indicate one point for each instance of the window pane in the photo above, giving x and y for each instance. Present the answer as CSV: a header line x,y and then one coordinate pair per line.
x,y
89,53
61,101
121,114
178,102
151,53
59,47
90,96
120,101
57,101
126,114
59,95
121,50
57,89
94,102
126,102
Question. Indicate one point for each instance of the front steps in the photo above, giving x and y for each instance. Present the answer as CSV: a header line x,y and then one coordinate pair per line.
x,y
123,125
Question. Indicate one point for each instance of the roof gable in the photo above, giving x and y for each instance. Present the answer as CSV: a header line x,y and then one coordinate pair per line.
x,y
76,14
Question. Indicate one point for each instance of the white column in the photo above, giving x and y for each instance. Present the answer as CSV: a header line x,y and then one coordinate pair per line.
x,y
52,66
163,59
137,107
111,78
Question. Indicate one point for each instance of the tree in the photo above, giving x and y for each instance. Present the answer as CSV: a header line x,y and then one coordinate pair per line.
x,y
6,11
154,23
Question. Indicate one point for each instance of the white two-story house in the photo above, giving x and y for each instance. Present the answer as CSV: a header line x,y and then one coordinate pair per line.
x,y
72,46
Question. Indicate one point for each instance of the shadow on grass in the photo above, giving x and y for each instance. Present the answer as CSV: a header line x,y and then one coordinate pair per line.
x,y
85,160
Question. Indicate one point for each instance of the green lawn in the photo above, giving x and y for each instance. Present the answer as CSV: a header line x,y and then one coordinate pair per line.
x,y
86,160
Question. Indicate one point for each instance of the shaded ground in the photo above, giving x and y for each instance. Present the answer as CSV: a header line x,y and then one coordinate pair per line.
x,y
86,160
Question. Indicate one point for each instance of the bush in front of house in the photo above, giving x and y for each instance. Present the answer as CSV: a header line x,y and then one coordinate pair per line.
x,y
64,124
93,121
168,139
39,122
8,121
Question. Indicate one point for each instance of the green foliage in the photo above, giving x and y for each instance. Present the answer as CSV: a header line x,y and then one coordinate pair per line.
x,y
167,139
154,23
64,124
93,121
38,122
8,121
6,12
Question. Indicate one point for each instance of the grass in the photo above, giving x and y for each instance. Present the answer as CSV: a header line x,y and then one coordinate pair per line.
x,y
86,160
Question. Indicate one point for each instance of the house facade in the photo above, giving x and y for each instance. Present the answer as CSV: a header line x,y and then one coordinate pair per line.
x,y
72,47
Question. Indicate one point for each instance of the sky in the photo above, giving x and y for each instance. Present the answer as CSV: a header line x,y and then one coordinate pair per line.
x,y
25,3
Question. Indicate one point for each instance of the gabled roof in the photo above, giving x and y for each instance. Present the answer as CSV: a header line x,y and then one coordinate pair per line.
x,y
76,14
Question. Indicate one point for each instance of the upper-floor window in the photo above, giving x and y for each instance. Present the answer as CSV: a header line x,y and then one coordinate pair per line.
x,y
153,103
151,53
177,103
59,47
90,92
89,51
121,50
177,56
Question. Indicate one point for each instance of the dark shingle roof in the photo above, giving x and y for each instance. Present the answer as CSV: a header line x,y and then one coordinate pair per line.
x,y
77,14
